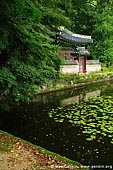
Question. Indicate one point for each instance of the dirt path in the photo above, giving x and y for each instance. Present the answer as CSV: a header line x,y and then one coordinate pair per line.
x,y
16,154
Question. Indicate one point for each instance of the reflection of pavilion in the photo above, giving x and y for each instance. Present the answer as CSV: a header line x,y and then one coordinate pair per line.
x,y
76,53
79,98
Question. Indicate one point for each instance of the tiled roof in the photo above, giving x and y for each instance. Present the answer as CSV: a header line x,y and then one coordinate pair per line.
x,y
77,38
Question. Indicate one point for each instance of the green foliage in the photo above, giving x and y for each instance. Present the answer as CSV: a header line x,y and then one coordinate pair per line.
x,y
53,14
81,14
27,44
103,32
27,54
95,18
7,79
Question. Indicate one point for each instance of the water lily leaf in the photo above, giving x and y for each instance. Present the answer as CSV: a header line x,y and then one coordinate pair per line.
x,y
61,120
104,134
91,124
71,121
93,136
89,139
110,128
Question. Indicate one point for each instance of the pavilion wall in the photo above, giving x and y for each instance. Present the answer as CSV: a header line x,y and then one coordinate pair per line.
x,y
91,66
69,69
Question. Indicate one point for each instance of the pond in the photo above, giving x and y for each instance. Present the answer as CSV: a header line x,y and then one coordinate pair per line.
x,y
76,123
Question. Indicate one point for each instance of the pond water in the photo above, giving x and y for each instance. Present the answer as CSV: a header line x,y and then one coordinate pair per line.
x,y
33,123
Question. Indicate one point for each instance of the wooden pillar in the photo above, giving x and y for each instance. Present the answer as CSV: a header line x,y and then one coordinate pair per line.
x,y
82,64
68,53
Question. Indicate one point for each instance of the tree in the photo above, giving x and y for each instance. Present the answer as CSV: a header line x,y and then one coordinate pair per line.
x,y
27,55
103,31
82,15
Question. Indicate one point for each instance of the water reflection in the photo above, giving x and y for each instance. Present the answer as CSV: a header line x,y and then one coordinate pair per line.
x,y
79,98
31,122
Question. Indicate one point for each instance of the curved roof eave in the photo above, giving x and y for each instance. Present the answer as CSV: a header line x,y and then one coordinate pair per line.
x,y
77,38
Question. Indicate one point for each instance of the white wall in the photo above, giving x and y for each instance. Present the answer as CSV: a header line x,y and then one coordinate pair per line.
x,y
93,68
69,69
74,69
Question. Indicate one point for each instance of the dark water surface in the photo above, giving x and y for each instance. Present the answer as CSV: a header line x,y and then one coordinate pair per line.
x,y
32,123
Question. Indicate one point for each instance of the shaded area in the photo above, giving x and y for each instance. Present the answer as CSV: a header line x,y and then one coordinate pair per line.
x,y
31,122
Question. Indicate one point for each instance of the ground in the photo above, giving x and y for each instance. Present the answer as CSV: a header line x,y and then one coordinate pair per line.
x,y
17,154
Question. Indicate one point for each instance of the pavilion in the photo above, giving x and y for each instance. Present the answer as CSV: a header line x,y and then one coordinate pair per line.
x,y
69,54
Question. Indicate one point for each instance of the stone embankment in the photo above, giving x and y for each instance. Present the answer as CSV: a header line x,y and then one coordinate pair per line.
x,y
80,81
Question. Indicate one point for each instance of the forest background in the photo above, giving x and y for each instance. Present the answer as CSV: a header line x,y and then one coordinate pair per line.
x,y
28,43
